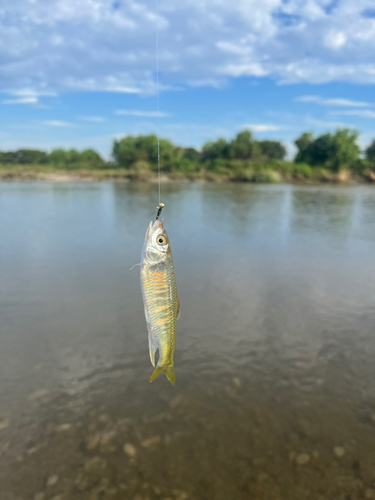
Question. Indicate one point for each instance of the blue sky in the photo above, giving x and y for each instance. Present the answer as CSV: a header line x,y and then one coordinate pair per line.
x,y
79,73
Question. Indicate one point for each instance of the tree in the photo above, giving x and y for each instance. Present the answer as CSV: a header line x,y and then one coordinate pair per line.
x,y
57,157
273,150
303,144
91,158
243,147
31,157
213,150
344,149
8,157
129,150
331,151
24,157
124,151
192,154
370,151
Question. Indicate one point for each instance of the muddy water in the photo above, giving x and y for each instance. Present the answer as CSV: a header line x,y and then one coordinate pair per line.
x,y
275,371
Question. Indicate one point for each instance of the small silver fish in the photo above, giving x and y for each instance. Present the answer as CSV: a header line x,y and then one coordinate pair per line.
x,y
160,300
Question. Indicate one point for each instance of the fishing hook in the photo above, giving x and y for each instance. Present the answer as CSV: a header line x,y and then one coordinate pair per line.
x,y
160,208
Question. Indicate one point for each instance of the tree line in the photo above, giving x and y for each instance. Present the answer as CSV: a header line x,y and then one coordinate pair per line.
x,y
332,151
57,157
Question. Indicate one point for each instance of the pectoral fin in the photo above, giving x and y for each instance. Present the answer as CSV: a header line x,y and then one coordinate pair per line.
x,y
135,265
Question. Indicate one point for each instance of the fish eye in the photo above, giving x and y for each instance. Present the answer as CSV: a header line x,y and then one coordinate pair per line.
x,y
161,240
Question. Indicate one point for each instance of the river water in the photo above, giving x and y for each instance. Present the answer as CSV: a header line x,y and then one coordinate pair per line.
x,y
275,354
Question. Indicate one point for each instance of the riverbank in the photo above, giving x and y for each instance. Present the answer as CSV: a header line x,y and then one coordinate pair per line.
x,y
287,173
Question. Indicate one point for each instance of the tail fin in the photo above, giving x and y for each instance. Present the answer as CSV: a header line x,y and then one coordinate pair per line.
x,y
168,370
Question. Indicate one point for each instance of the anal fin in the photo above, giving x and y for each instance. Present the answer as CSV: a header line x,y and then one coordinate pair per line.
x,y
153,347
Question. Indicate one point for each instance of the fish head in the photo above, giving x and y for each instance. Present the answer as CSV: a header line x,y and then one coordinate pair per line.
x,y
156,246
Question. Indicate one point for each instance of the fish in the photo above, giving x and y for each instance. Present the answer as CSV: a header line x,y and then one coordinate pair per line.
x,y
160,299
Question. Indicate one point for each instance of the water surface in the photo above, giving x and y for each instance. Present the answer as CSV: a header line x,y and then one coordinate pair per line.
x,y
274,394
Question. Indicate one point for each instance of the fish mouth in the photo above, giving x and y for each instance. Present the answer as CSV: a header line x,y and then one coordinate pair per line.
x,y
157,225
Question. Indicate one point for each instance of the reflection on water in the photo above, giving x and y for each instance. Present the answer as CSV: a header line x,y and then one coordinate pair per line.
x,y
274,395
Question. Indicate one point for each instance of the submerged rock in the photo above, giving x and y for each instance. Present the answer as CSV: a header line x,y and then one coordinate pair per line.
x,y
130,450
106,441
92,441
175,401
4,423
302,459
370,493
40,496
339,451
151,441
51,481
64,427
38,394
180,495
237,382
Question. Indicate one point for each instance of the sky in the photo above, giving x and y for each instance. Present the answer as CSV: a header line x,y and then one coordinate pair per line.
x,y
81,73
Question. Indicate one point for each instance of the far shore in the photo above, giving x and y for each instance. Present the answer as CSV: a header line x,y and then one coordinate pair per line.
x,y
48,174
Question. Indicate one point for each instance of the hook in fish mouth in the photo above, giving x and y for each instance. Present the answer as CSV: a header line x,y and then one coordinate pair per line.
x,y
160,208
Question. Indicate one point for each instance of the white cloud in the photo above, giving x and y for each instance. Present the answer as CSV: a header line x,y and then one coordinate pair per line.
x,y
21,100
259,127
27,96
325,124
29,92
335,40
88,45
335,102
142,114
57,123
362,113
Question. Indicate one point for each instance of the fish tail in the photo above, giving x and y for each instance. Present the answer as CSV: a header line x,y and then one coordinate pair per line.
x,y
168,370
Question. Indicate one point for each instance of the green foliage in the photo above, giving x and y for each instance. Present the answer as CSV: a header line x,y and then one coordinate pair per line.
x,y
91,158
145,148
73,159
301,170
370,152
242,174
272,150
303,144
328,157
23,157
192,155
331,151
214,150
185,165
266,176
244,147
322,175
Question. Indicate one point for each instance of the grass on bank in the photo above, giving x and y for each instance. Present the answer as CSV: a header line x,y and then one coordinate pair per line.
x,y
235,171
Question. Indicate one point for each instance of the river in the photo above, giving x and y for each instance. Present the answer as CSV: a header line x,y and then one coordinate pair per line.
x,y
274,363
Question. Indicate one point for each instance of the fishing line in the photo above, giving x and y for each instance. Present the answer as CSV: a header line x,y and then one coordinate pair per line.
x,y
157,93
